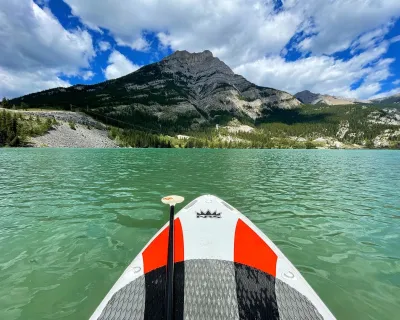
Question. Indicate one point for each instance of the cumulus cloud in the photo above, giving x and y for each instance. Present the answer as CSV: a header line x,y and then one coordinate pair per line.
x,y
118,66
18,82
87,75
335,24
36,47
42,2
104,45
32,38
243,33
139,44
248,34
369,39
235,30
322,74
395,91
239,31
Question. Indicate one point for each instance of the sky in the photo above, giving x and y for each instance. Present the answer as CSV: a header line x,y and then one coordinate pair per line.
x,y
347,48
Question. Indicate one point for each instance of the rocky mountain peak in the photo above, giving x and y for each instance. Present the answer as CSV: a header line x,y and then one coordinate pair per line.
x,y
307,96
190,57
195,63
305,92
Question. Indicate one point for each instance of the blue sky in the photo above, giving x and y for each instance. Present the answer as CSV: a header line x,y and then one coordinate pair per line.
x,y
340,47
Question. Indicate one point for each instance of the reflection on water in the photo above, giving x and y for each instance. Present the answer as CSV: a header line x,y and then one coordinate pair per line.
x,y
72,220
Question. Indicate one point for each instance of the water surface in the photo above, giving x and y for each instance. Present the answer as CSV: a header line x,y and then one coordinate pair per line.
x,y
71,220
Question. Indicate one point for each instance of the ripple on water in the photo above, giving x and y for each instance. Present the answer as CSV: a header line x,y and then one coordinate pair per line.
x,y
72,220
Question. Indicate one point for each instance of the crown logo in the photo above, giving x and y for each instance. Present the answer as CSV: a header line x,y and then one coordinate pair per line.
x,y
209,214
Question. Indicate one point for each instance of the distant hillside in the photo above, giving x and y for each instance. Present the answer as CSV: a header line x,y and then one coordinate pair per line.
x,y
391,100
308,97
182,91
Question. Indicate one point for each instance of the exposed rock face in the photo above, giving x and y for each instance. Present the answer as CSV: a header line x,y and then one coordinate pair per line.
x,y
386,139
344,127
86,132
62,136
333,143
385,116
308,97
186,88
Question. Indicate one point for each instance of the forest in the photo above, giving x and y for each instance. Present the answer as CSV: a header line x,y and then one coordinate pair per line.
x,y
277,128
15,128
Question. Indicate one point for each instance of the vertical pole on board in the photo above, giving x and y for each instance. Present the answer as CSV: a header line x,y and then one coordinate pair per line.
x,y
169,297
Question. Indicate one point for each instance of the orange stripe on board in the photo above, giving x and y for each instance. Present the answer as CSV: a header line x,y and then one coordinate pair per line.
x,y
179,249
251,250
155,255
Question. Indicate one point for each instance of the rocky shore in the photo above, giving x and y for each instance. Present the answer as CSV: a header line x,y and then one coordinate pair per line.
x,y
63,136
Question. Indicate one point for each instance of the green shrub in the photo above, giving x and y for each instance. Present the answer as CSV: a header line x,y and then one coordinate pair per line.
x,y
310,145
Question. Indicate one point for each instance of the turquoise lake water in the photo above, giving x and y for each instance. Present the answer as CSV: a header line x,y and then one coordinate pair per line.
x,y
71,220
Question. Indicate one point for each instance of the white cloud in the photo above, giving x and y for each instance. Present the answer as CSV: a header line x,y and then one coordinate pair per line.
x,y
239,31
42,2
396,82
395,39
87,75
139,44
118,66
322,74
104,45
32,38
370,39
243,33
17,82
392,92
236,30
305,45
250,35
336,24
36,47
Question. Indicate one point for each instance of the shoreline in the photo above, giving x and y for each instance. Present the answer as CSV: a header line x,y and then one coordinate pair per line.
x,y
78,130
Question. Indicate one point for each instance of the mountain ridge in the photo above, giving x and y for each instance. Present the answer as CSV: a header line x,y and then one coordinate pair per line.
x,y
393,99
309,97
184,90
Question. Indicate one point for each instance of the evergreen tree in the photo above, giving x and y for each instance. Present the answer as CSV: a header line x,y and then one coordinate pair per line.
x,y
9,129
5,103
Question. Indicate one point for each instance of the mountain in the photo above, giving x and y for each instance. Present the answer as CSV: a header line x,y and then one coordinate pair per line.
x,y
308,97
181,91
390,100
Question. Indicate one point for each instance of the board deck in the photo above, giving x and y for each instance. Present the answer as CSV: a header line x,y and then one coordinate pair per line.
x,y
225,268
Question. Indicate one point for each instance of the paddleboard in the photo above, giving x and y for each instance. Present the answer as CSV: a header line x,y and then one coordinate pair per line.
x,y
224,268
